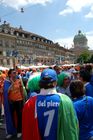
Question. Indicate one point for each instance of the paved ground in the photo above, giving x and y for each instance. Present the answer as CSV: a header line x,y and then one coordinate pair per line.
x,y
2,131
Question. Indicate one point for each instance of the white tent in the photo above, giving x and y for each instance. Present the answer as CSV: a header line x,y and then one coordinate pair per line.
x,y
3,68
70,64
22,67
40,66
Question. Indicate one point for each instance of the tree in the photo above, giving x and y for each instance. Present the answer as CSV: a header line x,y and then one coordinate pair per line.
x,y
91,59
84,57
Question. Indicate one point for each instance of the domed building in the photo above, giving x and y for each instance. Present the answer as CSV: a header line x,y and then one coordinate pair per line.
x,y
80,43
80,40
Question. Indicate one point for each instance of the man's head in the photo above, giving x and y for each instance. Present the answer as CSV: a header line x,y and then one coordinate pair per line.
x,y
77,89
57,69
84,76
12,73
48,78
64,79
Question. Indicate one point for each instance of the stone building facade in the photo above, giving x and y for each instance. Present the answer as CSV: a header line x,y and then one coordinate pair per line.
x,y
80,43
25,48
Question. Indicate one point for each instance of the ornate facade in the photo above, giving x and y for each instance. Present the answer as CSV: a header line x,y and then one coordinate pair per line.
x,y
80,43
21,47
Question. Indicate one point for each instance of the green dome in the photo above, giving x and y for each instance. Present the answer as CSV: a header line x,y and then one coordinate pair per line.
x,y
80,38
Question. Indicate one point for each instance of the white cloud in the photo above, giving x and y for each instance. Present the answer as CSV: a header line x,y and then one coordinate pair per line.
x,y
66,11
89,36
65,42
90,33
76,6
20,3
90,14
90,41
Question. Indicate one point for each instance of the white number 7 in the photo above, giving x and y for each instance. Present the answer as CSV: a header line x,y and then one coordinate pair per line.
x,y
49,121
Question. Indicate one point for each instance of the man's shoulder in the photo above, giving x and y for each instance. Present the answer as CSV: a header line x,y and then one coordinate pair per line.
x,y
65,100
64,96
32,99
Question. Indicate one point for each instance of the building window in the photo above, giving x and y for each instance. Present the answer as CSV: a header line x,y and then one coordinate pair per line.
x,y
6,43
1,53
33,37
1,43
23,35
6,31
12,32
1,61
17,41
38,38
17,34
0,29
20,41
8,62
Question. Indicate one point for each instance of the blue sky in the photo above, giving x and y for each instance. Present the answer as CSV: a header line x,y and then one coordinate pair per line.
x,y
57,20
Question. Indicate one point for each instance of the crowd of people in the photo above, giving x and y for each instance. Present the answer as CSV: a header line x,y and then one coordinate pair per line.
x,y
48,103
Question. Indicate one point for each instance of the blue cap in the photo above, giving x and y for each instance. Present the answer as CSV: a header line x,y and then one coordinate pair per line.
x,y
48,76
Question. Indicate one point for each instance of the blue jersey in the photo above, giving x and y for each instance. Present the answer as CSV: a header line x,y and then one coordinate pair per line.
x,y
84,110
47,115
89,89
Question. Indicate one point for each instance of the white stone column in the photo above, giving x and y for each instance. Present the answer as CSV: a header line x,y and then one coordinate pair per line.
x,y
5,61
11,62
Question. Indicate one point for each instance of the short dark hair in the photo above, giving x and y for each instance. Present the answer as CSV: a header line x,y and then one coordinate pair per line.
x,y
10,71
88,68
46,85
77,88
85,75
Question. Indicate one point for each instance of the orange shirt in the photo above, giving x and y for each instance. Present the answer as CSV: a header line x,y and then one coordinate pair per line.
x,y
1,89
15,92
1,86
